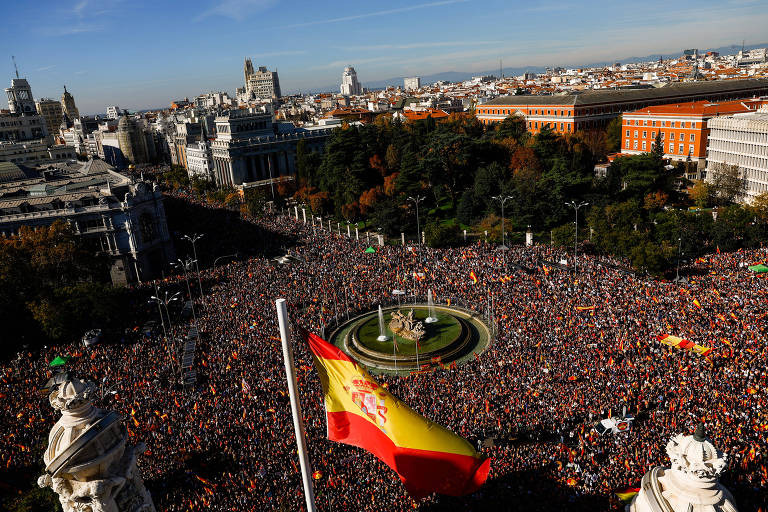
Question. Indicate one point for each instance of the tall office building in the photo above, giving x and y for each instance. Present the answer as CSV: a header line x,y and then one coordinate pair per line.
x,y
113,112
20,99
263,84
68,103
412,84
52,112
349,84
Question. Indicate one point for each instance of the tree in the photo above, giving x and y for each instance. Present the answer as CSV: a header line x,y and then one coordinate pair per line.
x,y
613,135
440,235
512,127
700,194
759,206
658,147
726,183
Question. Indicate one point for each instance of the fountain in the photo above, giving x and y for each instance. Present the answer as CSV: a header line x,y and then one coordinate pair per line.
x,y
382,332
432,318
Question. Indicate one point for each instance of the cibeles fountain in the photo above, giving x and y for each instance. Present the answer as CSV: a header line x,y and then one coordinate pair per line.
x,y
691,484
88,462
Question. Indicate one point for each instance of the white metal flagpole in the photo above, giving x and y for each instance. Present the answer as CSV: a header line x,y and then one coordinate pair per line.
x,y
298,422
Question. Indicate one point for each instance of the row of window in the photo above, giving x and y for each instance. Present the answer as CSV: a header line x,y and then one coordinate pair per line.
x,y
646,122
739,147
644,147
533,112
691,137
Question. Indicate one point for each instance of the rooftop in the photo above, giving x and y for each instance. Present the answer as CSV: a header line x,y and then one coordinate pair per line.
x,y
701,108
598,96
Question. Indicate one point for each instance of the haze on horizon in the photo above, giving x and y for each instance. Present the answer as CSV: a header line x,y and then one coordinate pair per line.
x,y
143,55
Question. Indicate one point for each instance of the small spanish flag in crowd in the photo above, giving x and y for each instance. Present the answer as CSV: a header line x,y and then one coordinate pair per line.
x,y
473,277
627,494
428,457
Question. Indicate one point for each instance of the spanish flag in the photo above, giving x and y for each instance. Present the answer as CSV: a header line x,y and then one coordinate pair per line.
x,y
473,277
626,495
360,412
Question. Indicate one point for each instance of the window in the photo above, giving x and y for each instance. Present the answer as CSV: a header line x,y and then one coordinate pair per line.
x,y
661,134
680,148
635,145
671,147
671,135
653,135
672,123
626,144
635,133
690,149
682,124
644,148
693,137
645,134
561,126
627,133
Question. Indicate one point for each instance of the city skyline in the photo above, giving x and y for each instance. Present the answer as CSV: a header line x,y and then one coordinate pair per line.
x,y
106,54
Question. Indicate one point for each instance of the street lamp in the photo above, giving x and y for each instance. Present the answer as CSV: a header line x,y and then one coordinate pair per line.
x,y
679,247
416,200
187,265
576,238
194,238
503,200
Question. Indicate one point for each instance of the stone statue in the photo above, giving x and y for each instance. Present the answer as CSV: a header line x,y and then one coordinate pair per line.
x,y
406,326
691,484
88,462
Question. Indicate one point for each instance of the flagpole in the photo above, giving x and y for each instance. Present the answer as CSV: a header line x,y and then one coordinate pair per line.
x,y
298,422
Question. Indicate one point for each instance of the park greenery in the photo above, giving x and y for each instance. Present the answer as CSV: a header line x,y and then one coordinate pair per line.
x,y
53,286
644,211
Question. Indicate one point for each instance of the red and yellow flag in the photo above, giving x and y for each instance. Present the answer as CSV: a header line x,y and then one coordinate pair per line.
x,y
360,412
473,277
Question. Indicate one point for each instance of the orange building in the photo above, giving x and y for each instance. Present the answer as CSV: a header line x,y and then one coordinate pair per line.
x,y
682,127
594,108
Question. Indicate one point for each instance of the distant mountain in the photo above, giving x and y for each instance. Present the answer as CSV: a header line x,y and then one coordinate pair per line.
x,y
460,76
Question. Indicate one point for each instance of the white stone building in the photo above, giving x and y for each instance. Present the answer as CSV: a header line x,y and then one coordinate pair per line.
x,y
349,84
741,140
199,160
113,112
412,83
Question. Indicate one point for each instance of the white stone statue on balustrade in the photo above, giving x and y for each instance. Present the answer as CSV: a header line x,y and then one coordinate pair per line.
x,y
691,484
88,461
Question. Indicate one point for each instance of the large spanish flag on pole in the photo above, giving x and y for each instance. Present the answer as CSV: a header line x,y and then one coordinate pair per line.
x,y
429,458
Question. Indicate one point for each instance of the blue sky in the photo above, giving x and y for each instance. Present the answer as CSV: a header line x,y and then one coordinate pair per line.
x,y
139,54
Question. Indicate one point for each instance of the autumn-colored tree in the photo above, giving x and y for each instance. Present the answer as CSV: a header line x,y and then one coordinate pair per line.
x,y
376,163
390,184
392,157
319,202
760,206
368,199
699,194
351,211
655,200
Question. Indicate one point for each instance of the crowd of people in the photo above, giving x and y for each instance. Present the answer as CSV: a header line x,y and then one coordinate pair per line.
x,y
568,351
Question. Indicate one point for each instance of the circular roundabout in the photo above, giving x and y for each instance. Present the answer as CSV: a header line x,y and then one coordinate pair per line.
x,y
409,338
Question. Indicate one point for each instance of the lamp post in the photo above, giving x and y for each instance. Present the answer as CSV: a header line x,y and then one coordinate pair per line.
x,y
194,238
503,200
416,200
165,300
187,265
576,237
679,247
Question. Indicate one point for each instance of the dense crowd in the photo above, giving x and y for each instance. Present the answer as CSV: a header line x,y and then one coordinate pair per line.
x,y
530,400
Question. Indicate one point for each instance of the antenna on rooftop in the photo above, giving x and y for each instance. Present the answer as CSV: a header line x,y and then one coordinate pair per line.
x,y
15,66
501,70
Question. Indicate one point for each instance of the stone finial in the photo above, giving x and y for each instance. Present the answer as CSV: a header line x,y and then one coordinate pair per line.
x,y
699,434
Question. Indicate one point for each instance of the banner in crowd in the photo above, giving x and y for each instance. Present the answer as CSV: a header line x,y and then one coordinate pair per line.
x,y
674,341
360,412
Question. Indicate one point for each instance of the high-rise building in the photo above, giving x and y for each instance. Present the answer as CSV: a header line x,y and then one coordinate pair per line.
x,y
741,140
349,84
113,112
263,84
20,99
68,103
52,112
413,83
132,141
